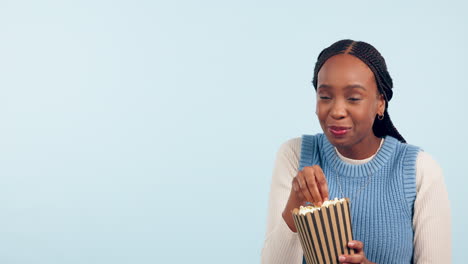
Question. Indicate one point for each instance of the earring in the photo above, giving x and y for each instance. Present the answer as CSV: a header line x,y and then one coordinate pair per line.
x,y
380,117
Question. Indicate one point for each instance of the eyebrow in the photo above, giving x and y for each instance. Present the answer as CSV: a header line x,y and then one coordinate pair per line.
x,y
351,86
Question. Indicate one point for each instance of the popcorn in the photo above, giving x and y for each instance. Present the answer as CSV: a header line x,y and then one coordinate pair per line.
x,y
309,209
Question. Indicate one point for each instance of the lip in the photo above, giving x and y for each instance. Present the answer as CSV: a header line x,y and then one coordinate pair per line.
x,y
338,131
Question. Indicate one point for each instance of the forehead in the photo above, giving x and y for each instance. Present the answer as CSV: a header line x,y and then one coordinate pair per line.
x,y
344,70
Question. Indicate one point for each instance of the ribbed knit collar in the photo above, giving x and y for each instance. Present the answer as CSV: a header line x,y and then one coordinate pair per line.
x,y
361,170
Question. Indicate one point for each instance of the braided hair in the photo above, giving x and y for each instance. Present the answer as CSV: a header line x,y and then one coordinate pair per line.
x,y
374,60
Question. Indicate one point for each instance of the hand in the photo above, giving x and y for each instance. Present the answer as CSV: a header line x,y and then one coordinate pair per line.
x,y
309,185
358,257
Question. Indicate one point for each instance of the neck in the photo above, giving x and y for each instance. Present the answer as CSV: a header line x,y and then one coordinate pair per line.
x,y
362,150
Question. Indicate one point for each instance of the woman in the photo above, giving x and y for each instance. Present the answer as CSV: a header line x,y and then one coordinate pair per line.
x,y
399,204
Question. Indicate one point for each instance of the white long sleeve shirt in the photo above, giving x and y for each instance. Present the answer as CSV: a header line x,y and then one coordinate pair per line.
x,y
431,219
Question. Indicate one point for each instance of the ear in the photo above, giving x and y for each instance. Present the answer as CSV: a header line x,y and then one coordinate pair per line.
x,y
381,105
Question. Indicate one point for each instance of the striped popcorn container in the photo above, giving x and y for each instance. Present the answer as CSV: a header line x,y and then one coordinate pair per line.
x,y
324,231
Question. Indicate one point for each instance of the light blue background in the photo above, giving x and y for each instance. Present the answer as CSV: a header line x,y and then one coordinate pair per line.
x,y
145,132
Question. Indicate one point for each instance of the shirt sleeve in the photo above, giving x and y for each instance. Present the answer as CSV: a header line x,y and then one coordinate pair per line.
x,y
431,220
281,245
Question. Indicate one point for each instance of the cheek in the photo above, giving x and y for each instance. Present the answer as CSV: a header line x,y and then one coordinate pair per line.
x,y
321,112
364,117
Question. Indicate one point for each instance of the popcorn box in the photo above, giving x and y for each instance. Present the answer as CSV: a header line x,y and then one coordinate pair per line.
x,y
324,231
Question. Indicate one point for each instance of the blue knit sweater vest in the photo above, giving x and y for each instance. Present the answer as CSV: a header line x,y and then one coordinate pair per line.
x,y
382,212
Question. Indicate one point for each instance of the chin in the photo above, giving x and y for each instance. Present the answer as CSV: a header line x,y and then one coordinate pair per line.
x,y
338,141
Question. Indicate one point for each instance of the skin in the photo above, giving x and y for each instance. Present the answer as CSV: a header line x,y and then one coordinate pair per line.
x,y
347,96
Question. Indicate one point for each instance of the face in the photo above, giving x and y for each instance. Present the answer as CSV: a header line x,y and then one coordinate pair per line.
x,y
348,101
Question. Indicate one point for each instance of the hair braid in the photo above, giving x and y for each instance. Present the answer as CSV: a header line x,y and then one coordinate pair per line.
x,y
375,61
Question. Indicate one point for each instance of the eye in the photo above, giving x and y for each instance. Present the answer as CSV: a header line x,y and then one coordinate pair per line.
x,y
354,99
325,97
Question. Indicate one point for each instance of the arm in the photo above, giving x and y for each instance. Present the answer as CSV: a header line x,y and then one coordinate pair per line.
x,y
431,220
281,244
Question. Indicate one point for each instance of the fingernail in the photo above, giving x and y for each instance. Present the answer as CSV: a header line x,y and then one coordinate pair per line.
x,y
341,258
351,244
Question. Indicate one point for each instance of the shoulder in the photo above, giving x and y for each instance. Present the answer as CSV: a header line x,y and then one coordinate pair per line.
x,y
294,145
296,149
287,158
427,168
429,174
291,147
426,161
403,152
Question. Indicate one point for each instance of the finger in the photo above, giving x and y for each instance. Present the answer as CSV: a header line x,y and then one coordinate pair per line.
x,y
342,259
297,190
295,187
309,175
357,245
303,187
352,258
321,181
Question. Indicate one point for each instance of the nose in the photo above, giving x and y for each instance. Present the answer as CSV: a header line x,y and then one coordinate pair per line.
x,y
338,110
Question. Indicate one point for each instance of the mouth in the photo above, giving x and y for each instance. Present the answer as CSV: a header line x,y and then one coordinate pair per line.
x,y
338,130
